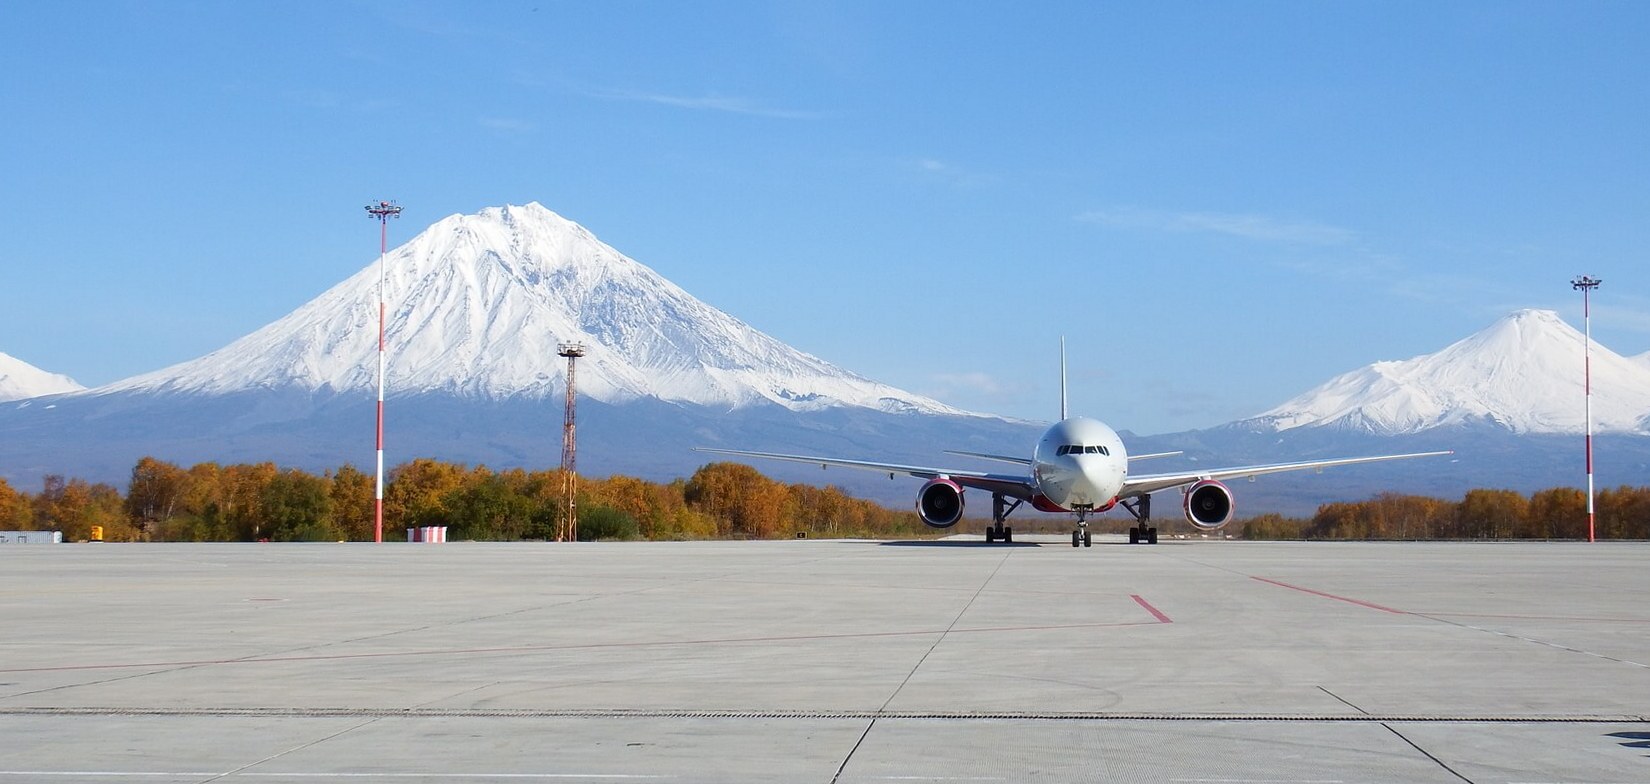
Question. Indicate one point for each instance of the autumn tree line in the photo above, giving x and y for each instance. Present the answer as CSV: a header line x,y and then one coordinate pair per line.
x,y
1558,513
209,502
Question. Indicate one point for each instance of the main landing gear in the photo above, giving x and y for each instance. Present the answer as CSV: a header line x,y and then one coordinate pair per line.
x,y
1080,535
1000,510
1145,532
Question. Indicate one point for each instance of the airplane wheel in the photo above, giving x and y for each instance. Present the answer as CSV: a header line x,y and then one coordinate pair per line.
x,y
990,535
1151,536
1008,534
1134,535
1074,539
1086,541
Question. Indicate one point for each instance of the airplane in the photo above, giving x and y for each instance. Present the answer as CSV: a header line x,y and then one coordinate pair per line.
x,y
1080,466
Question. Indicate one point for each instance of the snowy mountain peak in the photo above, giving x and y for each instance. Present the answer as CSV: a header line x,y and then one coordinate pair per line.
x,y
477,305
1523,373
20,380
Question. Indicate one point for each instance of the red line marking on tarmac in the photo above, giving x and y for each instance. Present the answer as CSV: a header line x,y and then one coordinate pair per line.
x,y
589,646
1360,603
1161,618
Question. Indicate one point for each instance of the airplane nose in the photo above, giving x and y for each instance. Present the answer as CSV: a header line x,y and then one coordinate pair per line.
x,y
1085,487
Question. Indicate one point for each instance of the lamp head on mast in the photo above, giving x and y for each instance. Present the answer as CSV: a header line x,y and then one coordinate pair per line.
x,y
384,210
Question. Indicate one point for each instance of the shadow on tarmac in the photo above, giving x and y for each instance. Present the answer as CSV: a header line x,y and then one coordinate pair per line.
x,y
1634,740
983,543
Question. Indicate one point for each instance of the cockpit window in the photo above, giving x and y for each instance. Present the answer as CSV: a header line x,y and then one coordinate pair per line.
x,y
1081,449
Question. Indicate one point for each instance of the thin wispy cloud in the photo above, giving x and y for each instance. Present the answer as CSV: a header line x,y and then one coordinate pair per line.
x,y
1260,228
706,103
1323,251
506,124
1628,317
942,171
314,99
976,386
326,100
976,382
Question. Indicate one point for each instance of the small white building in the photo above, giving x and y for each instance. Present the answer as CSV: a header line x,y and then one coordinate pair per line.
x,y
31,537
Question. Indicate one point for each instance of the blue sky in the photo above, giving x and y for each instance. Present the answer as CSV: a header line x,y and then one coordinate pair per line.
x,y
1219,204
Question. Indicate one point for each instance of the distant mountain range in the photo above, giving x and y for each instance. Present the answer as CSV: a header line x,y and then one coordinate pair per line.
x,y
1523,374
479,304
20,380
1509,400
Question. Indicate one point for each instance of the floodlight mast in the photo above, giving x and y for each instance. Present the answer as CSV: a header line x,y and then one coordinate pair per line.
x,y
1586,285
382,212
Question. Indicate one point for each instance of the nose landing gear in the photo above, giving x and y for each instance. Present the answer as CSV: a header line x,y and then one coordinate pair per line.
x,y
1080,536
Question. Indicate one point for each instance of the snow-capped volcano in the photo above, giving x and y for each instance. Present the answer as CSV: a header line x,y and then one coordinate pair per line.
x,y
1524,374
478,305
20,380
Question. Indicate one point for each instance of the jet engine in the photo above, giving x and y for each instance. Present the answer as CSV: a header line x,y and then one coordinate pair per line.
x,y
1208,505
940,503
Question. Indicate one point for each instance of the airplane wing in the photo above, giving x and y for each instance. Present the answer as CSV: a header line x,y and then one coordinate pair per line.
x,y
1012,485
988,456
1027,461
1150,483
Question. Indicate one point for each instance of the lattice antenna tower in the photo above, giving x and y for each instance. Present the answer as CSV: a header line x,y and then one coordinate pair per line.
x,y
568,530
382,212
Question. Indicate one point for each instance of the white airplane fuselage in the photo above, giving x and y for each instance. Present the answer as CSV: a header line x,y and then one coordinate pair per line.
x,y
1079,464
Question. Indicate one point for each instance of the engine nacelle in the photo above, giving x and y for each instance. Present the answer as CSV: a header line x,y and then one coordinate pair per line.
x,y
940,503
1208,505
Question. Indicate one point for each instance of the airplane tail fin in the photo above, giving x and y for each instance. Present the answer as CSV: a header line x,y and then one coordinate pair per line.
x,y
1062,378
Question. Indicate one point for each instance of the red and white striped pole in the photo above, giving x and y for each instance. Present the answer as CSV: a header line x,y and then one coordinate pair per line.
x,y
1587,284
382,211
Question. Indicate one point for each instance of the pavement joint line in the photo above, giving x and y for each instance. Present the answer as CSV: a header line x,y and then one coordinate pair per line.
x,y
247,768
241,774
1429,755
530,649
1348,703
287,654
689,713
1578,619
908,676
1458,624
1534,641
